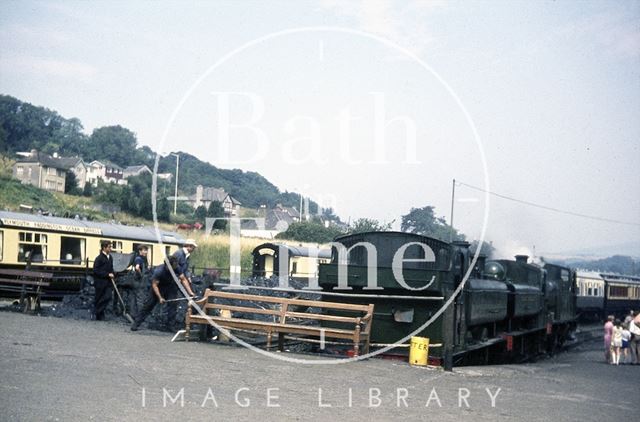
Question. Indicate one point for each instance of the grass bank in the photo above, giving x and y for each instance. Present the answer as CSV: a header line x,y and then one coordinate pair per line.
x,y
213,252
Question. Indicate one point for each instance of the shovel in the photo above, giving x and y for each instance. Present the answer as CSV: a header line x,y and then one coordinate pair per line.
x,y
124,308
179,299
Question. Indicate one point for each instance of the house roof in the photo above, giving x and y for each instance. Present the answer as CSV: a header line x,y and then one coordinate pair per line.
x,y
106,163
70,162
111,165
275,216
214,194
45,159
292,211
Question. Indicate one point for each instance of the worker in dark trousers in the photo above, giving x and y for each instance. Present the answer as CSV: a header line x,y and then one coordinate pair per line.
x,y
182,255
163,288
139,271
102,276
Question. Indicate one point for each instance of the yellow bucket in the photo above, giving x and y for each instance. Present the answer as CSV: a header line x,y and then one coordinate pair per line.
x,y
419,351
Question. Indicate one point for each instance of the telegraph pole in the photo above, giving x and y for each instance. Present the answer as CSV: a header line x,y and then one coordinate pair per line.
x,y
453,196
175,196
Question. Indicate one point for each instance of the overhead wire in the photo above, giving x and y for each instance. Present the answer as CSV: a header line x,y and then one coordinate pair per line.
x,y
545,207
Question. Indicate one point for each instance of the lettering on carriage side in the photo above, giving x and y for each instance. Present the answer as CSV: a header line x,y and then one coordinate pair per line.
x,y
50,226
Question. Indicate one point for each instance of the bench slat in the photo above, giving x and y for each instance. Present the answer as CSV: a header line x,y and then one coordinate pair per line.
x,y
302,302
323,317
244,309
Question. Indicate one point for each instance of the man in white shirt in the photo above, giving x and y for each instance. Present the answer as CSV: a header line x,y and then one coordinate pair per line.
x,y
634,343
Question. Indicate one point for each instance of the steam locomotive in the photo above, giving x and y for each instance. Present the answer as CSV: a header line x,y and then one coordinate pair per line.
x,y
506,309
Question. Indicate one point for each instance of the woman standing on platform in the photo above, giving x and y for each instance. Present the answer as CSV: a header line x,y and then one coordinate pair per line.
x,y
608,332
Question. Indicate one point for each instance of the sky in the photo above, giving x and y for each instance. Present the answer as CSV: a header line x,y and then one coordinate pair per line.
x,y
371,107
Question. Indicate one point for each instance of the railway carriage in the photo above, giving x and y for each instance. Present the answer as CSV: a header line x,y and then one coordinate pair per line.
x,y
622,293
590,295
301,262
602,294
66,247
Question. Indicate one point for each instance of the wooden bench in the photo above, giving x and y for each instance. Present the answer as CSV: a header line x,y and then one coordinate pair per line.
x,y
284,312
28,283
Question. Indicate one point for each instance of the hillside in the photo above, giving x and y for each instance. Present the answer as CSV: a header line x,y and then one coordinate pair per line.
x,y
24,126
15,196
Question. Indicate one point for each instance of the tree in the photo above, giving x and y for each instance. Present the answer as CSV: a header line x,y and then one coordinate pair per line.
x,y
88,189
200,213
424,221
310,232
216,210
113,143
328,214
362,225
163,209
71,184
6,167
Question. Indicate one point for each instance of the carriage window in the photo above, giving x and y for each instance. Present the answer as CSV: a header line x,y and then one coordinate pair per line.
x,y
116,245
32,247
1,243
618,291
564,275
72,250
589,292
149,253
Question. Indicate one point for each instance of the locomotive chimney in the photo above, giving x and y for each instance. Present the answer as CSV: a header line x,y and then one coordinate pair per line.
x,y
480,263
522,258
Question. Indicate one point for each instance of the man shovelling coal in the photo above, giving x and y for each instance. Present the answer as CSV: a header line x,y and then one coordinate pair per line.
x,y
164,290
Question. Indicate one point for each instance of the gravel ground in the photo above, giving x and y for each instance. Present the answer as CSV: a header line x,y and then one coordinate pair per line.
x,y
67,370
